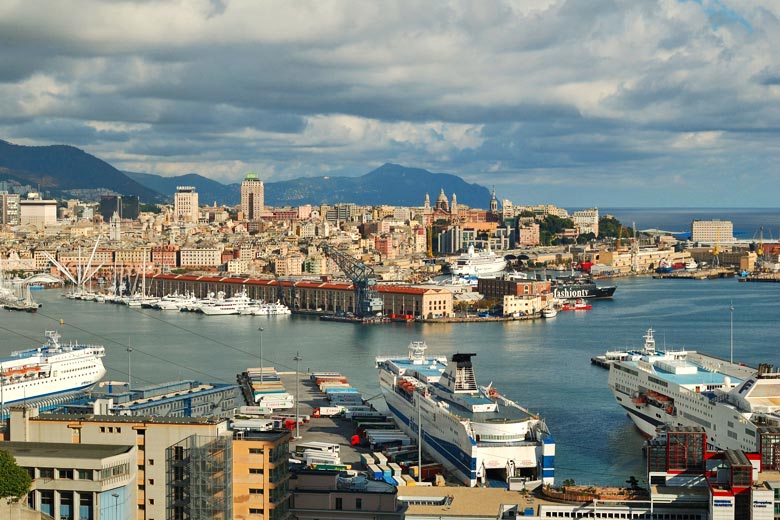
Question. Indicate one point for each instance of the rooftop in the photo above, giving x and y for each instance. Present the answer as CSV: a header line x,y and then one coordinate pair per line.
x,y
58,450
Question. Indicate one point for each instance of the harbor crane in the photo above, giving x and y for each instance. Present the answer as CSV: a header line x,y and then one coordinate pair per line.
x,y
367,302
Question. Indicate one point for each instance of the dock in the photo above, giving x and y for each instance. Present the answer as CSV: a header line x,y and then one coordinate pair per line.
x,y
699,274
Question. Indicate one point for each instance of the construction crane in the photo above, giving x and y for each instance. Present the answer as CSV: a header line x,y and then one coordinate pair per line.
x,y
367,302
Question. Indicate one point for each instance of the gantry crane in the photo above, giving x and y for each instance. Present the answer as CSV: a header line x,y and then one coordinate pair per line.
x,y
367,302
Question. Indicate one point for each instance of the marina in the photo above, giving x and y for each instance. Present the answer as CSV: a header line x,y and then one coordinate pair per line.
x,y
527,360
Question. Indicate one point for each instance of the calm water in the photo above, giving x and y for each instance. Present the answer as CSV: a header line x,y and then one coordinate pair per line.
x,y
544,365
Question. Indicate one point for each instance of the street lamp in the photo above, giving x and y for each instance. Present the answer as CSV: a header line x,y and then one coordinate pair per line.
x,y
129,368
261,354
297,360
116,505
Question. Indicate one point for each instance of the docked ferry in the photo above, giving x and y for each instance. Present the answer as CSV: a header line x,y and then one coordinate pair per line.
x,y
738,406
474,432
53,369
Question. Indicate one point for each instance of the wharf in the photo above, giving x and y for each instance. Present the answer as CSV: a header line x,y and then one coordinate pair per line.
x,y
700,274
761,277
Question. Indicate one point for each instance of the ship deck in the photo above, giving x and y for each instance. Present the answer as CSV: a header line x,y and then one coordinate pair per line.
x,y
503,414
702,376
431,368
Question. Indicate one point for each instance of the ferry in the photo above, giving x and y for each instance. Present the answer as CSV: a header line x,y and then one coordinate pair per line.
x,y
474,432
738,406
49,370
572,287
472,263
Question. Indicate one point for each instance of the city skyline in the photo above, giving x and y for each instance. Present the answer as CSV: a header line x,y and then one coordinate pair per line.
x,y
605,104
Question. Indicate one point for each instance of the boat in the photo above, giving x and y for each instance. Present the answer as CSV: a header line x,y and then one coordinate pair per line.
x,y
571,287
576,305
478,263
50,370
473,431
266,309
549,312
222,306
738,406
611,356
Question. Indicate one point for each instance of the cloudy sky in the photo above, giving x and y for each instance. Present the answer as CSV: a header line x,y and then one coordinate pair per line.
x,y
577,103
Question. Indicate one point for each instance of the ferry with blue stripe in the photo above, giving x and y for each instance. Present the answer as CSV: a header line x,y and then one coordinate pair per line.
x,y
473,431
50,370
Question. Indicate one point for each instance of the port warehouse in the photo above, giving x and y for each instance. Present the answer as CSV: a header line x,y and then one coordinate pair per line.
x,y
308,295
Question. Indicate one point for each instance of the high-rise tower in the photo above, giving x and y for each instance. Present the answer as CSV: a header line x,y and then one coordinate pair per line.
x,y
252,197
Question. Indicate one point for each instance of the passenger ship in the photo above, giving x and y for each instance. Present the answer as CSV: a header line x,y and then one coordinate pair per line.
x,y
472,263
474,432
50,370
738,406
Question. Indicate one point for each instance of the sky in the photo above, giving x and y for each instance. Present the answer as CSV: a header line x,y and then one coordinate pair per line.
x,y
610,103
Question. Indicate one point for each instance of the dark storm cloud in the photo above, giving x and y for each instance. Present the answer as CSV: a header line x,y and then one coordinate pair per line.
x,y
499,92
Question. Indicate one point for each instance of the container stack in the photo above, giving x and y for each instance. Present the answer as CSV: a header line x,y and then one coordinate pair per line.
x,y
267,389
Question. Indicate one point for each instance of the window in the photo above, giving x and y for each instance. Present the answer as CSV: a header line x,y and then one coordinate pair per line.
x,y
151,462
66,473
255,451
85,474
255,471
255,511
339,505
151,482
46,472
255,491
151,501
358,503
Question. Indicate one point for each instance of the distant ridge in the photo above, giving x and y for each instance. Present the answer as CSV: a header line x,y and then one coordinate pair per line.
x,y
60,168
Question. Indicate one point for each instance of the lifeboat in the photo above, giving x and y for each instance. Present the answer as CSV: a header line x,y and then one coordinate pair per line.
x,y
492,393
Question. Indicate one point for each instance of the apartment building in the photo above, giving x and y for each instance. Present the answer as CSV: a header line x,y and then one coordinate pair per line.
x,y
252,197
185,204
712,231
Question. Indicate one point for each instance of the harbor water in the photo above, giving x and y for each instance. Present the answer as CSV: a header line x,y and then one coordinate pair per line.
x,y
542,364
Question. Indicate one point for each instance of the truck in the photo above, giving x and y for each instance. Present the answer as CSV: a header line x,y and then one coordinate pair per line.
x,y
327,411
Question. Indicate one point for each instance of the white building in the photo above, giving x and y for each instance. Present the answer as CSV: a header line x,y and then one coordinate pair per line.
x,y
185,204
586,221
37,211
712,231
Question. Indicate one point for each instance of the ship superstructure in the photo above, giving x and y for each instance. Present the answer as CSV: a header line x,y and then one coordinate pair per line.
x,y
479,263
52,369
738,406
475,432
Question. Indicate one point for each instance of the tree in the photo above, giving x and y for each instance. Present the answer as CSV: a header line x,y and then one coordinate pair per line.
x,y
14,480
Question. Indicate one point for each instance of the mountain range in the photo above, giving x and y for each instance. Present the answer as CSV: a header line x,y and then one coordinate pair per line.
x,y
68,172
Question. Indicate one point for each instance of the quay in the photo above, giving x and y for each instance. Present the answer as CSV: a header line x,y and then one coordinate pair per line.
x,y
700,274
761,277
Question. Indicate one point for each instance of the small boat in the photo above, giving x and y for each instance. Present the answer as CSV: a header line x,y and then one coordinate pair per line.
x,y
549,312
576,305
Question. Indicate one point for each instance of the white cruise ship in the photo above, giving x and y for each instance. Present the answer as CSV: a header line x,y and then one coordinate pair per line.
x,y
738,406
474,432
472,263
49,370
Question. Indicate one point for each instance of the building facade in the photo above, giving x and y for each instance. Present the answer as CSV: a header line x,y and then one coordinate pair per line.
x,y
712,231
185,204
9,209
252,197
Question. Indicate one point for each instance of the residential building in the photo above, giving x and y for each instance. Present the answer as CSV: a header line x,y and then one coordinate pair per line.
x,y
9,209
528,234
712,231
185,204
197,257
586,221
252,197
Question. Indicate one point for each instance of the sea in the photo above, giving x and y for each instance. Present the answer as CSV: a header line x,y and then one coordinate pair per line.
x,y
542,364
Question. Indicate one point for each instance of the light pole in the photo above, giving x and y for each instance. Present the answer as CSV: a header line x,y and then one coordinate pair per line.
x,y
297,360
129,367
731,343
261,354
116,505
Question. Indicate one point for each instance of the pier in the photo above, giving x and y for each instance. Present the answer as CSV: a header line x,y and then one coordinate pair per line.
x,y
699,274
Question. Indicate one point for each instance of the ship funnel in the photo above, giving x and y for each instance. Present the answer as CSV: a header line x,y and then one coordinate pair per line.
x,y
459,375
